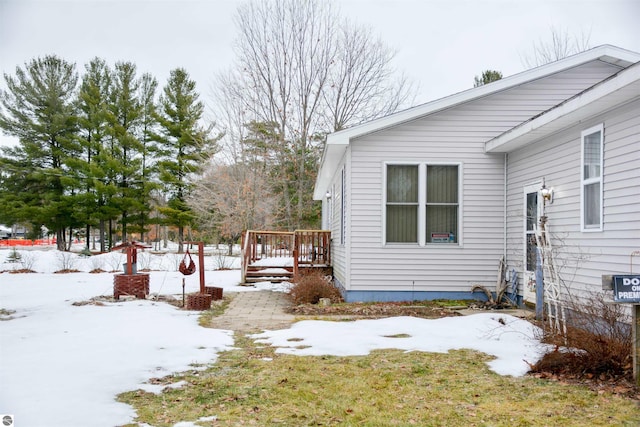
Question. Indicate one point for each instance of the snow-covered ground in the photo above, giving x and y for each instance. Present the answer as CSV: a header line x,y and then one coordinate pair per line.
x,y
63,364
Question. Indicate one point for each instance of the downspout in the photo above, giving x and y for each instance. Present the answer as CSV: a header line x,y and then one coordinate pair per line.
x,y
504,231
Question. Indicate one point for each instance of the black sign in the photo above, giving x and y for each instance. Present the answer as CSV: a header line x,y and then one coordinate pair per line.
x,y
626,288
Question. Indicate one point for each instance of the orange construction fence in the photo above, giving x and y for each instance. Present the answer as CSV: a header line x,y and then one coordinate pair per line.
x,y
24,242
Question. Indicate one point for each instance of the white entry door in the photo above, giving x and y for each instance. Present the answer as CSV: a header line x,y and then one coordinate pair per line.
x,y
532,212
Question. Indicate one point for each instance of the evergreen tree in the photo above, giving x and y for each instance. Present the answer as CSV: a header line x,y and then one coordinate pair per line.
x,y
147,128
92,121
487,77
182,146
123,159
38,108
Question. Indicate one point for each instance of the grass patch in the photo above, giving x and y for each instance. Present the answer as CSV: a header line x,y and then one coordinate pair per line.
x,y
424,309
454,302
397,336
254,385
6,314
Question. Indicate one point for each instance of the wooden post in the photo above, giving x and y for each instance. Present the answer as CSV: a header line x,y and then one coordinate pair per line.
x,y
539,286
130,260
636,343
201,262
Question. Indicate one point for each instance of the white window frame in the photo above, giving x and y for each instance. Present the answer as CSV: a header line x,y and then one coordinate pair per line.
x,y
589,228
530,189
422,203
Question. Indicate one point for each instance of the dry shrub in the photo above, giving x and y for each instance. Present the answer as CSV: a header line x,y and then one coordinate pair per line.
x,y
599,341
310,286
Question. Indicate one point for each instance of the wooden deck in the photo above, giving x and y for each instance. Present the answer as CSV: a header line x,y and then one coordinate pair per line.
x,y
277,256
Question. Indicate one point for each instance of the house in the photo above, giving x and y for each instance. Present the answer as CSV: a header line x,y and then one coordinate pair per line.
x,y
13,232
424,203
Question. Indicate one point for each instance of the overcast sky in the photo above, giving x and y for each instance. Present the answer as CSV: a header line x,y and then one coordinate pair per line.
x,y
441,44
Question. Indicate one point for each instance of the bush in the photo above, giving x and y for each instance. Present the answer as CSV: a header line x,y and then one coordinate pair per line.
x,y
599,342
86,252
310,287
14,256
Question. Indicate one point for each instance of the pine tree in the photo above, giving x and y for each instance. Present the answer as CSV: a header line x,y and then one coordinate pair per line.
x,y
182,146
38,108
123,156
487,77
147,127
92,133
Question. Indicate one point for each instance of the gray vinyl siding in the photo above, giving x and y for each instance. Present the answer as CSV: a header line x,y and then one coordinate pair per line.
x,y
339,254
583,256
455,135
376,266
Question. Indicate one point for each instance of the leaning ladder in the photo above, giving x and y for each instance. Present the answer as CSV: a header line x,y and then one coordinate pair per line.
x,y
552,299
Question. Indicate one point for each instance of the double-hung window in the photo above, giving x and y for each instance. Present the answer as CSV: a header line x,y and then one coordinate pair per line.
x,y
591,179
442,204
422,203
402,203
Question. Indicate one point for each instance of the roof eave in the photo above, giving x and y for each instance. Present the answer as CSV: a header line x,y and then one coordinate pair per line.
x,y
337,142
331,156
618,90
607,53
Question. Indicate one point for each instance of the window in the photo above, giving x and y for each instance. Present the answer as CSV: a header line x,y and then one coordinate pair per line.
x,y
442,204
422,203
591,190
402,204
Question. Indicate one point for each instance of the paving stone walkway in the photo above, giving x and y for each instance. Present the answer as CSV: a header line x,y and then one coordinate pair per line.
x,y
254,312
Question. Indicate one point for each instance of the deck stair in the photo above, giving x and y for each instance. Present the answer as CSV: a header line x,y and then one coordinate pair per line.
x,y
277,256
273,274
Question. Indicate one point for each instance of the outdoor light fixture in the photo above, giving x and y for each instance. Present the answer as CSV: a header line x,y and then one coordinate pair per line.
x,y
328,195
546,193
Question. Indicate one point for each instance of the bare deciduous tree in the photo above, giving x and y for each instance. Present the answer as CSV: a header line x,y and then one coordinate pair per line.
x,y
302,68
362,84
561,45
231,199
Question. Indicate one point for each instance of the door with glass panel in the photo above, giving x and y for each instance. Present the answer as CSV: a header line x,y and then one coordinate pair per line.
x,y
532,212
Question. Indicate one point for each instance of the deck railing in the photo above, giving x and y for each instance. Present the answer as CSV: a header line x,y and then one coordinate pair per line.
x,y
313,247
305,247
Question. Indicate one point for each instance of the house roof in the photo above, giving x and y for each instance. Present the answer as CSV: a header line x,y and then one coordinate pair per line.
x,y
617,90
337,142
